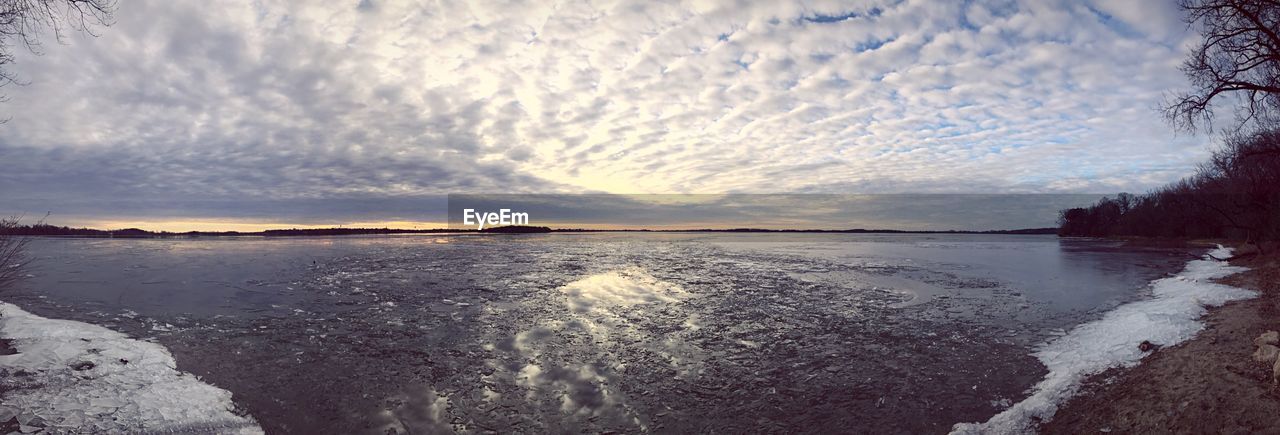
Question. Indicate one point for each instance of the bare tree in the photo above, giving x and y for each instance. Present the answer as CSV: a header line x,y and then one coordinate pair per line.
x,y
13,253
1239,55
22,22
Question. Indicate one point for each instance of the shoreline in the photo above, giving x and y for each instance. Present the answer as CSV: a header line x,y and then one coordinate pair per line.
x,y
67,376
1207,384
1123,337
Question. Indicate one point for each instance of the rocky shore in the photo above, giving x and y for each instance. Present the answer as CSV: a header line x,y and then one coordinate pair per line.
x,y
1210,384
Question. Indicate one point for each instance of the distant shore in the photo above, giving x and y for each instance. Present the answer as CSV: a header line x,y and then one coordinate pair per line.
x,y
49,230
1209,384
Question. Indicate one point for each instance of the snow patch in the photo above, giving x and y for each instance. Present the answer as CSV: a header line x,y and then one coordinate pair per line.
x,y
1168,318
69,376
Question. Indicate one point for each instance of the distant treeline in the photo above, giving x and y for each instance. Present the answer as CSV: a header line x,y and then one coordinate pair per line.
x,y
50,230
1235,195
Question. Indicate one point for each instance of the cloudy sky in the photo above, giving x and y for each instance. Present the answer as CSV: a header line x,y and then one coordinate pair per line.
x,y
241,114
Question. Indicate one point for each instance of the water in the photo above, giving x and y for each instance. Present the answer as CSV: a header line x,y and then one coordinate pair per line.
x,y
600,332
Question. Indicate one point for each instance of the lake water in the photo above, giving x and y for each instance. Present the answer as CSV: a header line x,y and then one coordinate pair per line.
x,y
627,332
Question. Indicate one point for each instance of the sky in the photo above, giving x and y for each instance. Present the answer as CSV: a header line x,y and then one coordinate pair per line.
x,y
252,114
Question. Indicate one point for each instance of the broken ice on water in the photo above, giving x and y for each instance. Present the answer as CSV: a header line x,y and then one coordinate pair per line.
x,y
595,333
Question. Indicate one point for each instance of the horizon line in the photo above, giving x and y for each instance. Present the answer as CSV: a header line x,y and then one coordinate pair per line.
x,y
359,230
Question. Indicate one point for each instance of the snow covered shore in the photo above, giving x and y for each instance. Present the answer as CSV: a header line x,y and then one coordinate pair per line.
x,y
66,376
1170,317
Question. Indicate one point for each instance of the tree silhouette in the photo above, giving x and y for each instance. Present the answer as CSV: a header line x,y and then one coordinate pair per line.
x,y
22,22
1235,195
13,254
1238,55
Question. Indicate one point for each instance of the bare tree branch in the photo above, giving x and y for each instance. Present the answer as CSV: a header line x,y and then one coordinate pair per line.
x,y
22,22
13,253
1239,55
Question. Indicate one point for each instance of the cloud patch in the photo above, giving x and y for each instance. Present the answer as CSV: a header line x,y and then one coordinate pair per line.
x,y
291,101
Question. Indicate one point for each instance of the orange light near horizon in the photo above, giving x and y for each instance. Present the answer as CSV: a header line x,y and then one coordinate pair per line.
x,y
223,225
181,226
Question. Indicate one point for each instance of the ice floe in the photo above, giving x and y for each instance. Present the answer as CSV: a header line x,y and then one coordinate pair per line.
x,y
1169,317
65,376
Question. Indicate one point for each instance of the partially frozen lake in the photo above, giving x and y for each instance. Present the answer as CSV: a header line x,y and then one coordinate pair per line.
x,y
625,332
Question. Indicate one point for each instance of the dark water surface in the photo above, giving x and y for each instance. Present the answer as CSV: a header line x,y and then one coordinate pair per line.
x,y
600,332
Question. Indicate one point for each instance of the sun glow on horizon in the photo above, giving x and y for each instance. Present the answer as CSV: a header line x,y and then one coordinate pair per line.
x,y
216,225
243,226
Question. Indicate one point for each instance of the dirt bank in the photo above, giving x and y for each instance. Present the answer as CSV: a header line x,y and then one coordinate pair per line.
x,y
1209,384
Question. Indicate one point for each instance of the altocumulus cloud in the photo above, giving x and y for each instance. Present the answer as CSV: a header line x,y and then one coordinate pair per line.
x,y
244,109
